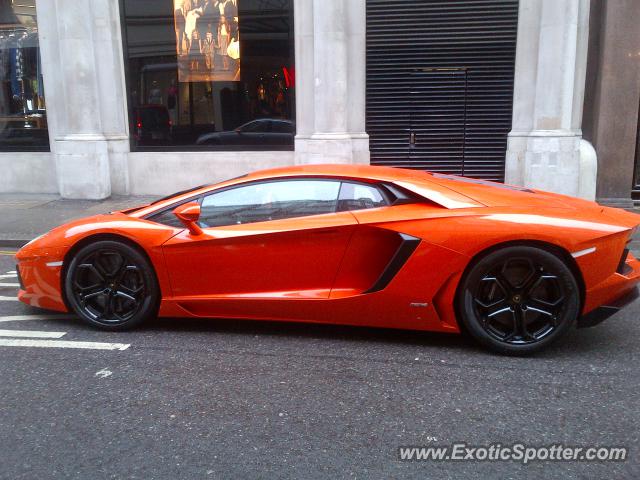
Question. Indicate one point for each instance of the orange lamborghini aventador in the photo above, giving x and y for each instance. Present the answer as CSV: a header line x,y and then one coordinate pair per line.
x,y
357,245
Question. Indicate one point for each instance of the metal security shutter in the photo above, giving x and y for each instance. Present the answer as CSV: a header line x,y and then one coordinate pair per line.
x,y
440,84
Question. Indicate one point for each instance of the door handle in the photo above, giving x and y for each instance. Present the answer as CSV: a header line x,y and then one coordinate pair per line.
x,y
412,138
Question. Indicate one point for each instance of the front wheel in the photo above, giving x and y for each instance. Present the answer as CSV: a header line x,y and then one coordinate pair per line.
x,y
111,285
518,300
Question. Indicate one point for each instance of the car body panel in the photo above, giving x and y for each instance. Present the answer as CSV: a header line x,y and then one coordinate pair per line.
x,y
301,257
323,268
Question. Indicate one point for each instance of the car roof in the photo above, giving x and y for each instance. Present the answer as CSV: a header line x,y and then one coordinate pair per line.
x,y
363,172
419,182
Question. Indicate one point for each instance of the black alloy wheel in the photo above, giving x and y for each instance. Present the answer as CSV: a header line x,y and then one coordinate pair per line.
x,y
518,300
111,285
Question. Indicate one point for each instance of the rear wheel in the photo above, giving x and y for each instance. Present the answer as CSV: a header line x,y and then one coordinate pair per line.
x,y
518,300
111,285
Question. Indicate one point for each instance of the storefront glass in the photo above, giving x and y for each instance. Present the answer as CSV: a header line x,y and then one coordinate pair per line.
x,y
23,117
210,74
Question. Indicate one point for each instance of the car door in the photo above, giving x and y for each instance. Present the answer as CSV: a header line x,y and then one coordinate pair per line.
x,y
281,133
272,239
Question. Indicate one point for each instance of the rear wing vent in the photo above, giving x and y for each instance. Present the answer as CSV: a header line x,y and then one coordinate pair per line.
x,y
623,268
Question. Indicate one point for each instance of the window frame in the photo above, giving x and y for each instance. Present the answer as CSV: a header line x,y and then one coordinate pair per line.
x,y
130,107
378,185
30,148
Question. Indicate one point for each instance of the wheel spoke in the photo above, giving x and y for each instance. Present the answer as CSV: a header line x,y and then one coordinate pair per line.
x,y
89,288
108,306
519,326
121,294
499,308
92,268
504,283
553,305
124,270
532,281
489,305
130,291
89,296
536,307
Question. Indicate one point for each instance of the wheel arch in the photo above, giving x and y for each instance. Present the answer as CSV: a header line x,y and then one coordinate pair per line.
x,y
98,237
557,250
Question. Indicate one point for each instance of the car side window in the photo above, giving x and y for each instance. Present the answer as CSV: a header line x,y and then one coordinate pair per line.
x,y
167,218
358,196
282,127
265,201
258,126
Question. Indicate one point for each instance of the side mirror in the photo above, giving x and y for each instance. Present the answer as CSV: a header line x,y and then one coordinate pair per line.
x,y
188,214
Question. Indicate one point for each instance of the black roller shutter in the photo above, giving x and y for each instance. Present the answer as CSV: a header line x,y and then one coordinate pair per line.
x,y
440,84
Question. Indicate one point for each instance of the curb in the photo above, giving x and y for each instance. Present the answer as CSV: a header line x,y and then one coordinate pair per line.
x,y
14,243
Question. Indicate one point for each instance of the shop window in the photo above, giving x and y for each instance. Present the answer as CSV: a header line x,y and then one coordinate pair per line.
x,y
23,117
210,74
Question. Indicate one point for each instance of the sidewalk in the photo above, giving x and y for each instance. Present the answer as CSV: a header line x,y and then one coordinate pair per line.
x,y
25,216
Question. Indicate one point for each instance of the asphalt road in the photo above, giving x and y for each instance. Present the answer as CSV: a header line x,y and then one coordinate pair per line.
x,y
228,399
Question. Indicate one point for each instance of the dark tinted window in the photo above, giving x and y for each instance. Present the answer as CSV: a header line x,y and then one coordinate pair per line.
x,y
358,196
261,202
199,69
167,218
23,115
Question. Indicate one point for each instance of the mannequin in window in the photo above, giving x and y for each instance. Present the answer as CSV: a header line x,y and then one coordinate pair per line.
x,y
195,53
208,19
180,27
155,94
172,101
224,36
191,17
209,50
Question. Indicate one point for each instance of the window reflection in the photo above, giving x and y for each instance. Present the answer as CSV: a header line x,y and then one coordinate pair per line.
x,y
23,119
263,202
203,90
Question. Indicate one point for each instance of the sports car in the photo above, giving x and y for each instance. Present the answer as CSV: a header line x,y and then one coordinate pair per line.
x,y
515,268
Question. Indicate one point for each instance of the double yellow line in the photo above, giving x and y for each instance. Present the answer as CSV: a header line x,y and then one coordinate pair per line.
x,y
7,252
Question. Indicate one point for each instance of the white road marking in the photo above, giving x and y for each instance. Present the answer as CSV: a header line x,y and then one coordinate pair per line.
x,y
31,334
19,318
9,284
12,272
9,275
104,373
11,342
8,299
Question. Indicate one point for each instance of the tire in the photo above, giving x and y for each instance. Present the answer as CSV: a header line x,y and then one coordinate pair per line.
x,y
518,300
112,286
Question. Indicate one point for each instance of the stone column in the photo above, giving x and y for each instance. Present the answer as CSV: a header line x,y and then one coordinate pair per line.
x,y
330,42
545,142
82,64
615,94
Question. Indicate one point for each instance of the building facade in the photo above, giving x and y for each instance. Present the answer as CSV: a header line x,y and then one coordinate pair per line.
x,y
137,97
